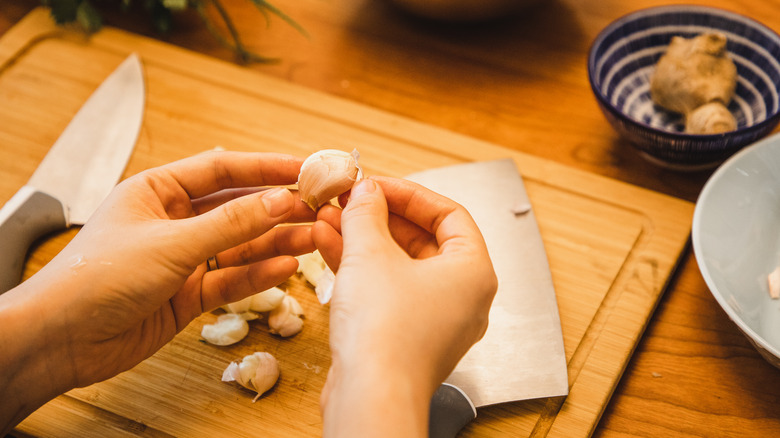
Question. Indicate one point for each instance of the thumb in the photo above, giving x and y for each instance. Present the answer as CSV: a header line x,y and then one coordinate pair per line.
x,y
364,219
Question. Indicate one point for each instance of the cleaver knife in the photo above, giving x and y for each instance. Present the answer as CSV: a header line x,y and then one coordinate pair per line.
x,y
79,170
521,355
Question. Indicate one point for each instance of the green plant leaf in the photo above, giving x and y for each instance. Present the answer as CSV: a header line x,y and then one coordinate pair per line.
x,y
263,6
175,5
161,17
88,17
63,11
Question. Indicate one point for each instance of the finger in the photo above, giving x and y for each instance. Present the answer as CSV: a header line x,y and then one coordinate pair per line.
x,y
429,210
238,221
214,200
211,172
418,243
301,212
331,215
364,220
329,242
281,240
228,285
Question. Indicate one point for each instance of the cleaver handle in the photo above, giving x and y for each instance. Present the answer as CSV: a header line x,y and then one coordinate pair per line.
x,y
451,410
28,215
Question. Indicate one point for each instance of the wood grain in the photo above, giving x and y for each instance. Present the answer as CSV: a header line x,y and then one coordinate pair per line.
x,y
607,282
521,83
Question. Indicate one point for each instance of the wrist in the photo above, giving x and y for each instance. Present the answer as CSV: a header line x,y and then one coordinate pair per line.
x,y
375,398
32,364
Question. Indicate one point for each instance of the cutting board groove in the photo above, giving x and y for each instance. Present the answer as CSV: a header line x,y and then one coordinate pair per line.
x,y
611,247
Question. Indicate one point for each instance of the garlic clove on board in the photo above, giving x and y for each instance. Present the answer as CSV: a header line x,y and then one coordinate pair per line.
x,y
285,320
229,329
267,300
258,372
326,174
260,302
239,306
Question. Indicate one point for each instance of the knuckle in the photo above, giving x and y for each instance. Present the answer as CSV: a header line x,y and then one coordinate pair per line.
x,y
238,217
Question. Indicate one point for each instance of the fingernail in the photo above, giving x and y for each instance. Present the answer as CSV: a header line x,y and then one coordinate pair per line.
x,y
277,201
363,186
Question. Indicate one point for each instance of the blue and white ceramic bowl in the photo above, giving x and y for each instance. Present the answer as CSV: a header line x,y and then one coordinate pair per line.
x,y
622,60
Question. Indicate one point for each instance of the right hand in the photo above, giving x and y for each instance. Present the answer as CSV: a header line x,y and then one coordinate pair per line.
x,y
414,285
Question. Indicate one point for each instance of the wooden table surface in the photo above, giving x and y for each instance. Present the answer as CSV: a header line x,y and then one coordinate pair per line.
x,y
520,83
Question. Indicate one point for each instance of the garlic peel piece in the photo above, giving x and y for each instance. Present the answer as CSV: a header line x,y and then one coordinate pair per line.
x,y
326,174
229,329
258,371
324,287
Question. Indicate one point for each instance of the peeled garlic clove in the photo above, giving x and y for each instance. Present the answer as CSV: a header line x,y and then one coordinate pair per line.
x,y
240,306
258,372
327,174
229,329
286,320
267,300
311,265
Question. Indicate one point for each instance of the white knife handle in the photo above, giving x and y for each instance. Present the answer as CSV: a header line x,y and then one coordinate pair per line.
x,y
27,216
451,410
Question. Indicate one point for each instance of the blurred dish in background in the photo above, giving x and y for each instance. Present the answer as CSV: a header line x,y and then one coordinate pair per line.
x,y
621,63
463,10
736,240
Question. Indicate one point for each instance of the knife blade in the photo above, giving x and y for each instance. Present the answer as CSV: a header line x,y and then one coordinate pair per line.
x,y
79,170
521,355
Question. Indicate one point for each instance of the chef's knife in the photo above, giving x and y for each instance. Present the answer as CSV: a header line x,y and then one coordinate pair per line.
x,y
79,170
521,355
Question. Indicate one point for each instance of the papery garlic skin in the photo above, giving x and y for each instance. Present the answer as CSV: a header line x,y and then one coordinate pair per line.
x,y
326,174
286,320
324,287
229,329
258,371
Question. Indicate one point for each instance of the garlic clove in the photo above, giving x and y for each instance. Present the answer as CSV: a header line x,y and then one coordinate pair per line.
x,y
229,329
258,372
326,174
239,306
311,265
324,287
267,300
285,320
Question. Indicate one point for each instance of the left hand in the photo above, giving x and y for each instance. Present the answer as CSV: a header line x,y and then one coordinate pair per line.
x,y
136,274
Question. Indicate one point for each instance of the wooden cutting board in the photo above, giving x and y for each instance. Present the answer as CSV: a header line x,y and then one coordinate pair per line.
x,y
611,247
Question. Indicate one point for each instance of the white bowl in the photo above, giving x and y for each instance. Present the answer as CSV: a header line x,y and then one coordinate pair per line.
x,y
736,239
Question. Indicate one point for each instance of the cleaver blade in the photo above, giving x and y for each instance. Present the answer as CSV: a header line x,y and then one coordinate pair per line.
x,y
521,355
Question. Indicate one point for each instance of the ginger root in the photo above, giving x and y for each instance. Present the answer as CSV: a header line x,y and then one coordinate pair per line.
x,y
710,118
694,73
